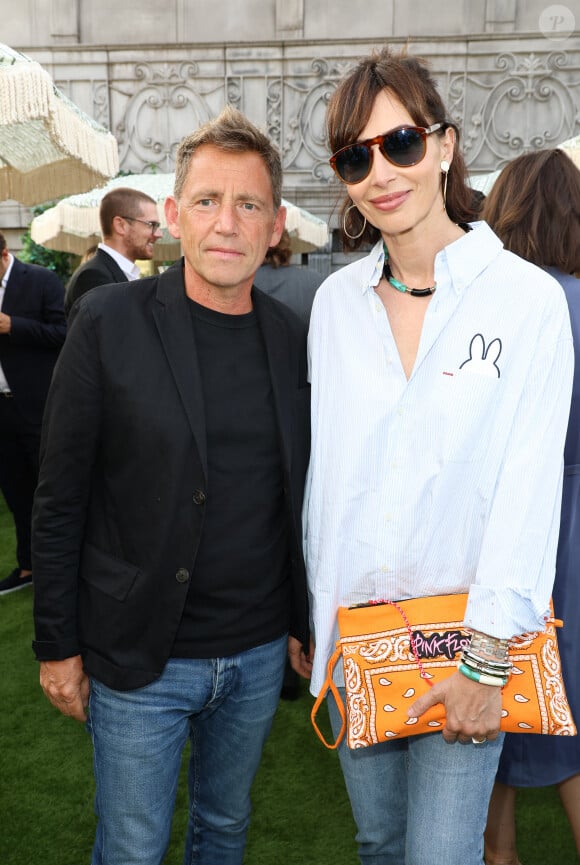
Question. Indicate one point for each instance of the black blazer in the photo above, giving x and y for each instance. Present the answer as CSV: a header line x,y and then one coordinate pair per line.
x,y
101,269
33,298
119,508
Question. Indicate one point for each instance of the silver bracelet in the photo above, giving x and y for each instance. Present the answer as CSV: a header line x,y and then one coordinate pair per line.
x,y
490,647
483,669
489,663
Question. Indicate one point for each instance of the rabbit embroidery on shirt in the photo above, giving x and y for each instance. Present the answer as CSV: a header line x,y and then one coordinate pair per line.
x,y
482,361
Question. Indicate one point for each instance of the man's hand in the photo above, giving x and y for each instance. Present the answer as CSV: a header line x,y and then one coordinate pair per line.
x,y
472,711
66,685
299,660
5,323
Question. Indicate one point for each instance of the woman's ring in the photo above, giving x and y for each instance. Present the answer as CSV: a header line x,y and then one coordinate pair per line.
x,y
478,741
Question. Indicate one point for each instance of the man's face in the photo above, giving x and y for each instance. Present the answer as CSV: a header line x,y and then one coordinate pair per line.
x,y
226,221
140,238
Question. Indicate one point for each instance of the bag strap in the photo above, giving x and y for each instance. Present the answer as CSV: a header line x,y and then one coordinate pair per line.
x,y
329,685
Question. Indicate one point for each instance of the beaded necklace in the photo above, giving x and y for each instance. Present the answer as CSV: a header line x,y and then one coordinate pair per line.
x,y
400,286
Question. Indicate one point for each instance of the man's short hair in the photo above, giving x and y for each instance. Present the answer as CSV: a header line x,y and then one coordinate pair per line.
x,y
233,132
122,201
2,243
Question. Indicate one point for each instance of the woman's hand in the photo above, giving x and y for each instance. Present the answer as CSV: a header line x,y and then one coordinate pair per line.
x,y
472,710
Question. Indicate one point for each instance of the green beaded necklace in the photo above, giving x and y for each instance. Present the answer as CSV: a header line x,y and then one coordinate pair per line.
x,y
400,286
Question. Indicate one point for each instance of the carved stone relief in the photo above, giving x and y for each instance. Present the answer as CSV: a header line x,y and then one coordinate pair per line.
x,y
508,95
163,107
505,102
529,101
512,102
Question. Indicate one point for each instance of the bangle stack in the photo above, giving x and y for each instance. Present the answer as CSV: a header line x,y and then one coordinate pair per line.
x,y
486,660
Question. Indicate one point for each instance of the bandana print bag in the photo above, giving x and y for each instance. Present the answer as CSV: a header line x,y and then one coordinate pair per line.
x,y
393,652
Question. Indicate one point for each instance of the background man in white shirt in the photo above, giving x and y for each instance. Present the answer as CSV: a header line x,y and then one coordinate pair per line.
x,y
130,227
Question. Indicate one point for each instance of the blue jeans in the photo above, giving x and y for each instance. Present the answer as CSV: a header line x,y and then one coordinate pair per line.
x,y
418,800
226,706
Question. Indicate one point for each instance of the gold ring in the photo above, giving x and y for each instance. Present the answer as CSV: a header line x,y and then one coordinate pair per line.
x,y
478,741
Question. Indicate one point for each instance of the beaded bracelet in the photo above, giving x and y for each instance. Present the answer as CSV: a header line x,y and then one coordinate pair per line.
x,y
482,678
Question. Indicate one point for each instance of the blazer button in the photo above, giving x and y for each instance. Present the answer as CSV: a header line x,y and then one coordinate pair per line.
x,y
182,575
199,497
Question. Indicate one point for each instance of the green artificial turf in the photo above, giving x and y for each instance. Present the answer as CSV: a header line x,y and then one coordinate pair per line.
x,y
301,813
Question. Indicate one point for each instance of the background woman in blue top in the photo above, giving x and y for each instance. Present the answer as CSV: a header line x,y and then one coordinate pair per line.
x,y
534,207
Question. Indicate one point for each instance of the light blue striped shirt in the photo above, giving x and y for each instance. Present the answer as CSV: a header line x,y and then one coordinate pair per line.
x,y
450,481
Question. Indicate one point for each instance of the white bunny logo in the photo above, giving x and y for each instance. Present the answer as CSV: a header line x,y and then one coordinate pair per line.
x,y
483,361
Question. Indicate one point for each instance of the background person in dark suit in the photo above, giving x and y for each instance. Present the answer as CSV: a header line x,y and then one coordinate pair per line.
x,y
167,524
130,227
32,330
292,284
295,286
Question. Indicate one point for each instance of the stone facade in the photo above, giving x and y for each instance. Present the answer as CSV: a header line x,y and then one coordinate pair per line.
x,y
509,71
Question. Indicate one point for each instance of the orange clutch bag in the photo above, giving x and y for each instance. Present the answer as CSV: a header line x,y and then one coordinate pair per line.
x,y
393,652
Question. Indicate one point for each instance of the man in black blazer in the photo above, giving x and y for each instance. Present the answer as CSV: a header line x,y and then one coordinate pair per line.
x,y
32,331
130,228
169,578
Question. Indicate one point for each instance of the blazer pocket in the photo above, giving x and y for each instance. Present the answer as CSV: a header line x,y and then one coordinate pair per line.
x,y
107,573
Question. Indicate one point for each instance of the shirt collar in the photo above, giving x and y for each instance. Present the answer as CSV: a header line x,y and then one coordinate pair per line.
x,y
372,267
466,258
8,269
128,267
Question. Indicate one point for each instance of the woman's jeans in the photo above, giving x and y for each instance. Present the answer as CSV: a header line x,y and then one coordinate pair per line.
x,y
418,800
226,707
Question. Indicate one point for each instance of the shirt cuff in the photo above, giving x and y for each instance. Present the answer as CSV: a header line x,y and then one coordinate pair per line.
x,y
503,613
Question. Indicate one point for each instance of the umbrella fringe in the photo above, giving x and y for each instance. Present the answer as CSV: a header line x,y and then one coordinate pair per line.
x,y
39,124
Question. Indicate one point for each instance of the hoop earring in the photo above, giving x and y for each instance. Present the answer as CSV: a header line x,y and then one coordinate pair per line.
x,y
445,170
361,232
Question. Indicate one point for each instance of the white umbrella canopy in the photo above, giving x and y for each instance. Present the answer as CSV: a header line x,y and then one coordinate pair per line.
x,y
484,182
48,146
72,225
307,232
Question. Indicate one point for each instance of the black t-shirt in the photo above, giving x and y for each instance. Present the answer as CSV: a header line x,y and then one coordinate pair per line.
x,y
240,587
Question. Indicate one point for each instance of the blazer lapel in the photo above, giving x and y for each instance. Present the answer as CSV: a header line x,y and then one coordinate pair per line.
x,y
173,320
110,266
275,337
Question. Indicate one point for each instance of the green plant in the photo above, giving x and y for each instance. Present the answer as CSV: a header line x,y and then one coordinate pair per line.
x,y
63,263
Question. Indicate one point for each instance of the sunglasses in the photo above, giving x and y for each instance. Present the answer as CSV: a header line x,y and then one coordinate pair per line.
x,y
403,146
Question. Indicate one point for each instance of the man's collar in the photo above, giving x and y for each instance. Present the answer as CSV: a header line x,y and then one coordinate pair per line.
x,y
127,266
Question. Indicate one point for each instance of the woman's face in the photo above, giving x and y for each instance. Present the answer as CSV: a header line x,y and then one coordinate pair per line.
x,y
394,199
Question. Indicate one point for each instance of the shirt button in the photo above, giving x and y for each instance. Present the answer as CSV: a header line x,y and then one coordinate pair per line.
x,y
199,497
182,575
